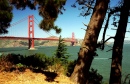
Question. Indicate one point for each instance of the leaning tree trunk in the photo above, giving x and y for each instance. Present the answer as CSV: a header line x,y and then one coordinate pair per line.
x,y
80,74
116,65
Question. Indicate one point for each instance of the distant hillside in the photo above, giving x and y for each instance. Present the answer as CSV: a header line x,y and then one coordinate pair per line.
x,y
24,43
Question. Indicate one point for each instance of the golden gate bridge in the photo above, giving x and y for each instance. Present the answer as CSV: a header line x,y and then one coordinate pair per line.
x,y
31,37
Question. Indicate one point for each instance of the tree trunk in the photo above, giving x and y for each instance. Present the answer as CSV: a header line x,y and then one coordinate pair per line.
x,y
80,74
116,65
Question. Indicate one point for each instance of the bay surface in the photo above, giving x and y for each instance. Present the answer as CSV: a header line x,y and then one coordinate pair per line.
x,y
102,62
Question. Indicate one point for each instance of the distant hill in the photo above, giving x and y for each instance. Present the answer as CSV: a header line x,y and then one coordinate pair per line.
x,y
24,43
53,37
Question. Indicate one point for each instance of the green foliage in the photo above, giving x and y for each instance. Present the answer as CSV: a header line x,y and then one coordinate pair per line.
x,y
85,5
5,15
22,4
94,77
36,61
70,67
7,62
39,61
19,65
48,10
60,58
32,61
61,52
12,58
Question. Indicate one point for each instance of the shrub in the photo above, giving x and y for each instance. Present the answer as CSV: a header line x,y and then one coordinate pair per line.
x,y
94,77
61,52
37,61
60,58
70,67
7,62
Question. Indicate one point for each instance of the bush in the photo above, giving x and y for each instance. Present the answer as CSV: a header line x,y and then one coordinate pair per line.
x,y
37,61
7,62
4,63
70,67
94,77
61,52
42,62
60,58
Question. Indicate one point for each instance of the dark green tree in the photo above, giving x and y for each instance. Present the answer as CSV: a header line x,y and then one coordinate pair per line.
x,y
61,52
5,16
49,11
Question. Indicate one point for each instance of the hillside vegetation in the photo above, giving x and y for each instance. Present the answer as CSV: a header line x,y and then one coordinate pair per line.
x,y
24,43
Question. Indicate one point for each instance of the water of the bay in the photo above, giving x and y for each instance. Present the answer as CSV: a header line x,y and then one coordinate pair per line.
x,y
101,62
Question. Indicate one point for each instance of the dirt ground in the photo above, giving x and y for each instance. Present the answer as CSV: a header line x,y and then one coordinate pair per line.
x,y
29,77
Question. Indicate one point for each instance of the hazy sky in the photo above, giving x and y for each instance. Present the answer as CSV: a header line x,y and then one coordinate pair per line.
x,y
70,22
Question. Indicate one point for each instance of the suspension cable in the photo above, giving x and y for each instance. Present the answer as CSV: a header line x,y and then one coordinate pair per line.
x,y
18,22
45,31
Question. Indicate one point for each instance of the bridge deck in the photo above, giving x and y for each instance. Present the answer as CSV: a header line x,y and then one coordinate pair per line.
x,y
26,38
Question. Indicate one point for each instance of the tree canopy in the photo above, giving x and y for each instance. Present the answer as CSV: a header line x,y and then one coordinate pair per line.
x,y
5,15
48,10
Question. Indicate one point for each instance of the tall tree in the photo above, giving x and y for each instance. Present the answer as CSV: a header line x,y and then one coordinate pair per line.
x,y
49,11
116,65
61,51
5,16
86,54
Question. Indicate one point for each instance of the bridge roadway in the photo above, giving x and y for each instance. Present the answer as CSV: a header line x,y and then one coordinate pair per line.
x,y
26,38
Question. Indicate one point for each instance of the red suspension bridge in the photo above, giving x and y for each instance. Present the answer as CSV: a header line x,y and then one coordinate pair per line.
x,y
31,37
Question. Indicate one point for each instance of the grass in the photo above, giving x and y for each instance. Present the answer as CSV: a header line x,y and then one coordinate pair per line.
x,y
30,77
34,69
38,69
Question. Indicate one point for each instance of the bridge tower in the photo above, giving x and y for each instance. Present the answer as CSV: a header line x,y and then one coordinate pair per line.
x,y
31,32
73,39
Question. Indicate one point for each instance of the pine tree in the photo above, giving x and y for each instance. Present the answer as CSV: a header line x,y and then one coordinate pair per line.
x,y
5,15
61,52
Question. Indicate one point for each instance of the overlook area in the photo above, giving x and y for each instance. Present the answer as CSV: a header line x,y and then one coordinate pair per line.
x,y
64,41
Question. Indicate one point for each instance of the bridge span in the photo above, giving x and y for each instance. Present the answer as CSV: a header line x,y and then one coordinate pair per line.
x,y
27,38
31,37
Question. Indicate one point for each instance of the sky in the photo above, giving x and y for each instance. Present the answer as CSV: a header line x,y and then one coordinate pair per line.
x,y
69,22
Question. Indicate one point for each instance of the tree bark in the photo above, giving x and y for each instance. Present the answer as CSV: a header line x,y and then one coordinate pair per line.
x,y
80,74
116,65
